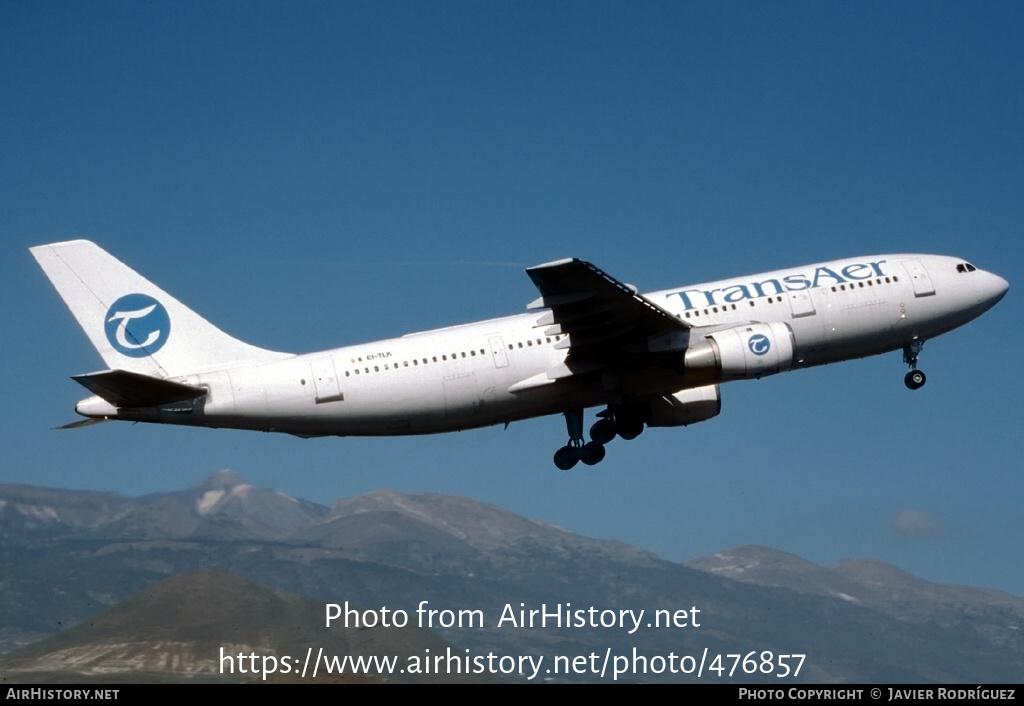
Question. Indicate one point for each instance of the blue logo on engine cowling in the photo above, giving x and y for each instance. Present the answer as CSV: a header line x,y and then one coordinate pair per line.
x,y
759,344
137,325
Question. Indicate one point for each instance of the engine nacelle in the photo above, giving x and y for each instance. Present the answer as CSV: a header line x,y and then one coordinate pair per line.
x,y
685,407
741,353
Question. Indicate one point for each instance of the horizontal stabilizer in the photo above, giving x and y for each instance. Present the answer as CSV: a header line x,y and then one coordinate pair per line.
x,y
126,389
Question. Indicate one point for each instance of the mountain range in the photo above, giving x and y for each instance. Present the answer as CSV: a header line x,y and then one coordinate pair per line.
x,y
70,557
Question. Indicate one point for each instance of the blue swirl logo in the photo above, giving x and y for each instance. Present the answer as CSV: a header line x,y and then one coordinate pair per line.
x,y
759,344
137,325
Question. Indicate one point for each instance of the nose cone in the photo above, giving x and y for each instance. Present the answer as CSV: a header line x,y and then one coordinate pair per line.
x,y
1003,287
987,290
995,288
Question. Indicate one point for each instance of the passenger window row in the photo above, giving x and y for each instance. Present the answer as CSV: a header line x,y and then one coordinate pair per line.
x,y
443,358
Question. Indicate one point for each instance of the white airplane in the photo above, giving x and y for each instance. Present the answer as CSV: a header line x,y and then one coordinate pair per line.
x,y
651,360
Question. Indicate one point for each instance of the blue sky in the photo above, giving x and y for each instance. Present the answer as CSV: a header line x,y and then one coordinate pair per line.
x,y
313,174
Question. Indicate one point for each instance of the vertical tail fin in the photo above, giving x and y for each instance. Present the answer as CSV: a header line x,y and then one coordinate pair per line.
x,y
135,325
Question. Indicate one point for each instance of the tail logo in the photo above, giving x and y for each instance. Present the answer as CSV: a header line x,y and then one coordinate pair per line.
x,y
137,325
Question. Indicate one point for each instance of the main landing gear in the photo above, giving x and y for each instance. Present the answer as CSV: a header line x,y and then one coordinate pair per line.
x,y
603,431
914,379
576,451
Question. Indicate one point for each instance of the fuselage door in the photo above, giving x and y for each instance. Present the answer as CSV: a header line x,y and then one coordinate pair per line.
x,y
498,354
801,303
923,286
325,381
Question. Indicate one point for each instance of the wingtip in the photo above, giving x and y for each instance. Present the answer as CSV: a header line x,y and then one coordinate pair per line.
x,y
554,263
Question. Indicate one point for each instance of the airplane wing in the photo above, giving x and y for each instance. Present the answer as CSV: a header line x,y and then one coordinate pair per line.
x,y
605,319
82,423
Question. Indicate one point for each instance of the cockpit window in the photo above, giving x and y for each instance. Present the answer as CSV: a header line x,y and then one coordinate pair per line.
x,y
965,267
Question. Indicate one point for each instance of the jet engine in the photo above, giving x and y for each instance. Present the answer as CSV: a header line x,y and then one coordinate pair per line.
x,y
740,353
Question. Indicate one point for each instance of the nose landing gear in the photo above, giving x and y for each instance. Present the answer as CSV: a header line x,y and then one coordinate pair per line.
x,y
915,378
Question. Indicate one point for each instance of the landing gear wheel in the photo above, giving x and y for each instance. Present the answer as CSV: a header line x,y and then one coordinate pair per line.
x,y
630,428
567,457
603,431
592,453
915,379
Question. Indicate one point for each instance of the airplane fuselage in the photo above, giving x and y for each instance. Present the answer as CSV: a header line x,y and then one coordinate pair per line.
x,y
517,367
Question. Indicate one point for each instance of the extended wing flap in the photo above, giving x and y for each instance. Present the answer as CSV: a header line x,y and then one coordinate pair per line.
x,y
122,388
601,315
